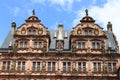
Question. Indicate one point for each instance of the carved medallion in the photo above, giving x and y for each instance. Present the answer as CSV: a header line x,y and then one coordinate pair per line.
x,y
23,31
79,31
96,32
40,31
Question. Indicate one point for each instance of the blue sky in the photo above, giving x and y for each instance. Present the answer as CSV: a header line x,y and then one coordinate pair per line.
x,y
53,12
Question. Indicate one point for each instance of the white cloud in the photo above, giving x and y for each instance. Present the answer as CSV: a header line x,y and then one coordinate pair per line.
x,y
109,12
38,1
14,11
63,4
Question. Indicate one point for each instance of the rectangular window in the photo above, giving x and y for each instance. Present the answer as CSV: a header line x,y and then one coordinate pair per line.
x,y
79,67
53,66
64,66
40,44
69,66
21,44
4,66
99,67
79,45
114,67
34,66
21,66
93,45
49,66
83,45
109,67
38,66
35,44
25,45
82,66
94,67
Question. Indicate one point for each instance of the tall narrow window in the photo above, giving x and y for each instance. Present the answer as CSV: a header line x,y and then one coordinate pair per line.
x,y
49,66
29,32
26,45
114,67
98,45
69,66
64,66
40,44
4,65
94,67
79,67
84,66
23,66
19,66
83,45
93,45
34,66
38,66
109,67
79,45
34,32
99,67
90,32
21,44
53,66
35,44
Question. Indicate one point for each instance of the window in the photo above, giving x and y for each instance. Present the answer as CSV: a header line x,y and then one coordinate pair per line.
x,y
81,44
88,32
96,67
82,66
112,67
36,66
6,65
24,44
66,66
32,32
51,66
38,45
95,45
21,66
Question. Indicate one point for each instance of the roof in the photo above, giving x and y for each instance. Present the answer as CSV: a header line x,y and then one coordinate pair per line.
x,y
109,44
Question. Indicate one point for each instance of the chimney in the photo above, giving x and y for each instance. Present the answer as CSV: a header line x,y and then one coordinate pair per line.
x,y
13,26
109,27
60,32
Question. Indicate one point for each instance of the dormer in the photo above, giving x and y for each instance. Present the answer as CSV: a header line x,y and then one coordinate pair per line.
x,y
88,36
32,36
